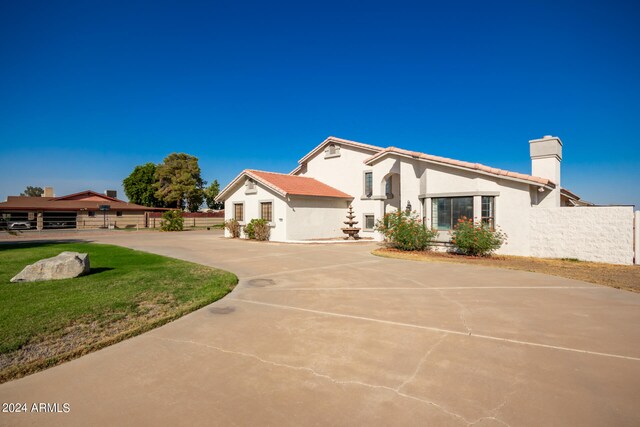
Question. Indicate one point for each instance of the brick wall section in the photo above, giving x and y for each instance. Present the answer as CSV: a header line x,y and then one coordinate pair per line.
x,y
600,234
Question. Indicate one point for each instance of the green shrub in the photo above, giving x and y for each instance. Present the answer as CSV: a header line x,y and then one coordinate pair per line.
x,y
405,231
172,221
261,229
476,239
258,229
233,227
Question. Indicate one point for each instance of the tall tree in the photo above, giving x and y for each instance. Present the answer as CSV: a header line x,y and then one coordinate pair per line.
x,y
210,194
139,186
178,181
33,192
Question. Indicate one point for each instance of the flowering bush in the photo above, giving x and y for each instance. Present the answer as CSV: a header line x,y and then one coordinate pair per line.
x,y
233,227
476,239
405,231
258,229
172,221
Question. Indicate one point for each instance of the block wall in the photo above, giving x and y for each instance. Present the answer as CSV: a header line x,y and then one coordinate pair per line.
x,y
600,234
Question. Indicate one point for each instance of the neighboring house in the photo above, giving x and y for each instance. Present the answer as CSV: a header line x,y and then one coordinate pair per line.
x,y
311,202
86,209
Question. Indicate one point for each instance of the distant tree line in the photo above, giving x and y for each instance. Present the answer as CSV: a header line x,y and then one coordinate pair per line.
x,y
174,183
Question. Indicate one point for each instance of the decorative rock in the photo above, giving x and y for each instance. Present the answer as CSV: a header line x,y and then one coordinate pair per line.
x,y
64,266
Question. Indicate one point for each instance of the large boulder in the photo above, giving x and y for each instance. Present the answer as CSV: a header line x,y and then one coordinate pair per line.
x,y
64,266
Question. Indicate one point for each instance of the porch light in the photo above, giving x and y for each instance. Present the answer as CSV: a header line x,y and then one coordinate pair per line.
x,y
408,208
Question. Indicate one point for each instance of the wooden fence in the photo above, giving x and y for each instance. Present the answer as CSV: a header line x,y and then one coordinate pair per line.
x,y
191,219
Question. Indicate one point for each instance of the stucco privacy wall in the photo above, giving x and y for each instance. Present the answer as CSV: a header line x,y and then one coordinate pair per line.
x,y
601,234
637,239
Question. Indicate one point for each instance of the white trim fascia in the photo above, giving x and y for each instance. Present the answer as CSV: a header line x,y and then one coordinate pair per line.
x,y
373,148
549,186
459,194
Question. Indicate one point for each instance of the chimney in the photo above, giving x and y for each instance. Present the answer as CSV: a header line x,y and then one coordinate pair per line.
x,y
48,192
111,193
546,155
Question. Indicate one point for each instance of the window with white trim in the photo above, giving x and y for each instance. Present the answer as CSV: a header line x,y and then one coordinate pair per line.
x,y
446,211
369,222
368,184
238,211
266,211
488,211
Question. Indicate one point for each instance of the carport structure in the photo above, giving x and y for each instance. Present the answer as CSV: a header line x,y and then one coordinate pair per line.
x,y
331,335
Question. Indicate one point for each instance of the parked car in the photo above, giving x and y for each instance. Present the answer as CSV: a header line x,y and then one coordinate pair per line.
x,y
19,225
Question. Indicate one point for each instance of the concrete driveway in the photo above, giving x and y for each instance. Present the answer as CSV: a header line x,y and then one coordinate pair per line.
x,y
331,335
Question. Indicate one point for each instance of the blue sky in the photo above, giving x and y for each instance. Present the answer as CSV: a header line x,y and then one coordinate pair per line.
x,y
89,90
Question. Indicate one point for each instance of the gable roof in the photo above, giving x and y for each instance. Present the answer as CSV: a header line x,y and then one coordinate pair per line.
x,y
86,194
72,202
477,167
335,140
287,185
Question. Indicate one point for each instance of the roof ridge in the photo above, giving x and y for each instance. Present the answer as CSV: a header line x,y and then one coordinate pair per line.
x,y
279,173
462,163
340,141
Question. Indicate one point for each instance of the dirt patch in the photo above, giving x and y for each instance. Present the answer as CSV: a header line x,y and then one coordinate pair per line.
x,y
83,337
616,276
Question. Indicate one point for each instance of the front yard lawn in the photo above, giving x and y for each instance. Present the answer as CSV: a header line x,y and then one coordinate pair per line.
x,y
617,276
127,292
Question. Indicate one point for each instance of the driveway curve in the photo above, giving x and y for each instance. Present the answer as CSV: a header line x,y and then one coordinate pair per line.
x,y
332,335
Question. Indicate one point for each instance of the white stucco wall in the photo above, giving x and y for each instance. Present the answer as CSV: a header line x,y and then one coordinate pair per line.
x,y
252,208
310,218
412,179
512,202
600,234
637,238
346,173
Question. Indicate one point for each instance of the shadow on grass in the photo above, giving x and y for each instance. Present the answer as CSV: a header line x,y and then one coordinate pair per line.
x,y
38,243
98,270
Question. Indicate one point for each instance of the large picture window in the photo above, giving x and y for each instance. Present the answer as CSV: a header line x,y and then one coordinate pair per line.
x,y
238,211
446,211
266,211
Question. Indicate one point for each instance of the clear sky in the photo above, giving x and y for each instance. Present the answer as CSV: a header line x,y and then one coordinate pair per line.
x,y
89,90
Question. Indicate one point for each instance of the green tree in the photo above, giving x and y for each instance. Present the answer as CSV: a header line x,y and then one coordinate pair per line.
x,y
139,186
210,194
195,200
178,182
32,192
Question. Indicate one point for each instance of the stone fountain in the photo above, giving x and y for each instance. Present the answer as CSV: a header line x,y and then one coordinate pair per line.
x,y
350,230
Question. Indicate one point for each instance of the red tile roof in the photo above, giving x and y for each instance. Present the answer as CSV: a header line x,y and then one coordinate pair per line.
x,y
295,185
461,164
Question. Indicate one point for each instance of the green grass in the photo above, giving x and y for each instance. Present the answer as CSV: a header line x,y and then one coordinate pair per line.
x,y
126,293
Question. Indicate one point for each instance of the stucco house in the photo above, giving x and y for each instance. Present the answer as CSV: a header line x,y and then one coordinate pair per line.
x,y
311,201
